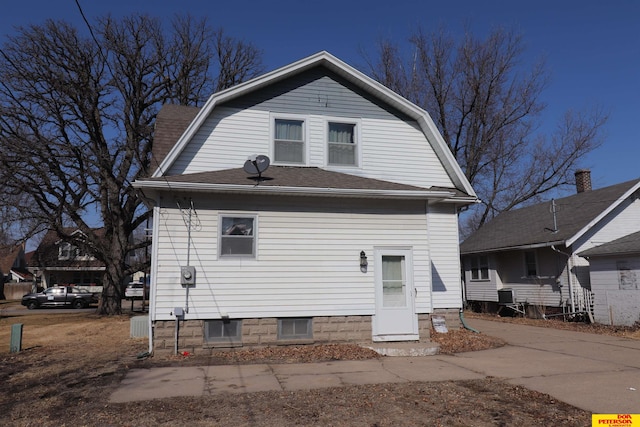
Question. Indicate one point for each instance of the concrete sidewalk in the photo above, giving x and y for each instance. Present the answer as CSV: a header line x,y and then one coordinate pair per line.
x,y
597,373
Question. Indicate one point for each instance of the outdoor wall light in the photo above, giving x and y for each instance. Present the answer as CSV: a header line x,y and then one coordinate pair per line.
x,y
363,262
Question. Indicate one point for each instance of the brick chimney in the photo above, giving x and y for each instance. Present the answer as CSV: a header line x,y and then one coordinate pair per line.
x,y
583,180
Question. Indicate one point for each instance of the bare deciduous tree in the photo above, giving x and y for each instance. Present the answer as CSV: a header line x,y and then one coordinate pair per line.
x,y
237,61
77,121
487,106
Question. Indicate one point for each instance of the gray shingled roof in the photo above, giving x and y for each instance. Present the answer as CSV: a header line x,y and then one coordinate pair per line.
x,y
289,176
171,122
629,244
531,225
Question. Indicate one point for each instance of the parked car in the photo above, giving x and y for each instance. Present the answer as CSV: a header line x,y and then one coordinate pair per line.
x,y
60,296
136,290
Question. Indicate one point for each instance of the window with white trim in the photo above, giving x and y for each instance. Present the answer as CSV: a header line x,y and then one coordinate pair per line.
x,y
288,141
66,251
342,144
295,329
531,264
237,236
480,268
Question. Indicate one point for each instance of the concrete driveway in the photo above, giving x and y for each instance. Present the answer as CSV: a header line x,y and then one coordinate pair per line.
x,y
598,373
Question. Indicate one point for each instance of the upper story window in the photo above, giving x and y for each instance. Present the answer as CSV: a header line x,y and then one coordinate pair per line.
x,y
237,236
288,141
342,144
531,264
480,268
67,251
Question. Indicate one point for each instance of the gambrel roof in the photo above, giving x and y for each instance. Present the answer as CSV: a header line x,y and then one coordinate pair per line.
x,y
171,122
533,226
173,119
297,181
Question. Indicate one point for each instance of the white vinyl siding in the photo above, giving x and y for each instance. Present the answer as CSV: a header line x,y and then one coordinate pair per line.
x,y
613,305
308,258
481,290
391,148
541,290
623,220
445,256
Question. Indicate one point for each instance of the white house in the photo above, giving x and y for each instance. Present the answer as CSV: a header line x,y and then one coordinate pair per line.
x,y
351,233
534,253
615,280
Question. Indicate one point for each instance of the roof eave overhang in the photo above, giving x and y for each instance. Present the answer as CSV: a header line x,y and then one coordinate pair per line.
x,y
517,247
609,254
150,187
603,214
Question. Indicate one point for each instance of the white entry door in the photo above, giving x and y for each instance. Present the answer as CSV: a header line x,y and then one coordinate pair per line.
x,y
395,318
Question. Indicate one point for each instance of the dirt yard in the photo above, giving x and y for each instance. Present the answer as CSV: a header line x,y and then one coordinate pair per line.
x,y
71,363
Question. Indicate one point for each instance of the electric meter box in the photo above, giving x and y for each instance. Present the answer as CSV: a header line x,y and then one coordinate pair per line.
x,y
188,275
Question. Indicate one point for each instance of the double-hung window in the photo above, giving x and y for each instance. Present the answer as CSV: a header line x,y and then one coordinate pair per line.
x,y
342,144
237,236
288,141
65,251
531,264
479,268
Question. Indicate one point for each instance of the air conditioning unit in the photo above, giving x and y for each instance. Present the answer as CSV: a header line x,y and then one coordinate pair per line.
x,y
506,296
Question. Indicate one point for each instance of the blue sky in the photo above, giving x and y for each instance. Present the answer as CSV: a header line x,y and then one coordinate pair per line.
x,y
592,48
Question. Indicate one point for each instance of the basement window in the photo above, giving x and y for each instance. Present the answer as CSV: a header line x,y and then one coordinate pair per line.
x,y
295,329
223,331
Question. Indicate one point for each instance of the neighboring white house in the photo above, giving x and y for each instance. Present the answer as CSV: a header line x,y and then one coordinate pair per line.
x,y
350,235
615,280
533,254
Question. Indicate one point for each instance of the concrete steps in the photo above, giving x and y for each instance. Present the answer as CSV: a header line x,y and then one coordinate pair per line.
x,y
404,349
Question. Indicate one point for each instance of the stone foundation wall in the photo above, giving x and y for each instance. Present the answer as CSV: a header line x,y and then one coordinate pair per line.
x,y
264,332
259,333
451,317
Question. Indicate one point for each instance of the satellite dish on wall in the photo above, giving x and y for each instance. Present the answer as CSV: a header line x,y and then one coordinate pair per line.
x,y
256,164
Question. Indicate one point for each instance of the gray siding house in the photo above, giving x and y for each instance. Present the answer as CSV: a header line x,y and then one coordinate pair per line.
x,y
615,280
532,254
349,235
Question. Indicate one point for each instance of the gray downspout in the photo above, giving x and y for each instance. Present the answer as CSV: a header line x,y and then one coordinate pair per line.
x,y
569,281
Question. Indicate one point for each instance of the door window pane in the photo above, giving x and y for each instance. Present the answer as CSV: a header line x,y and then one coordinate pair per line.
x,y
393,281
